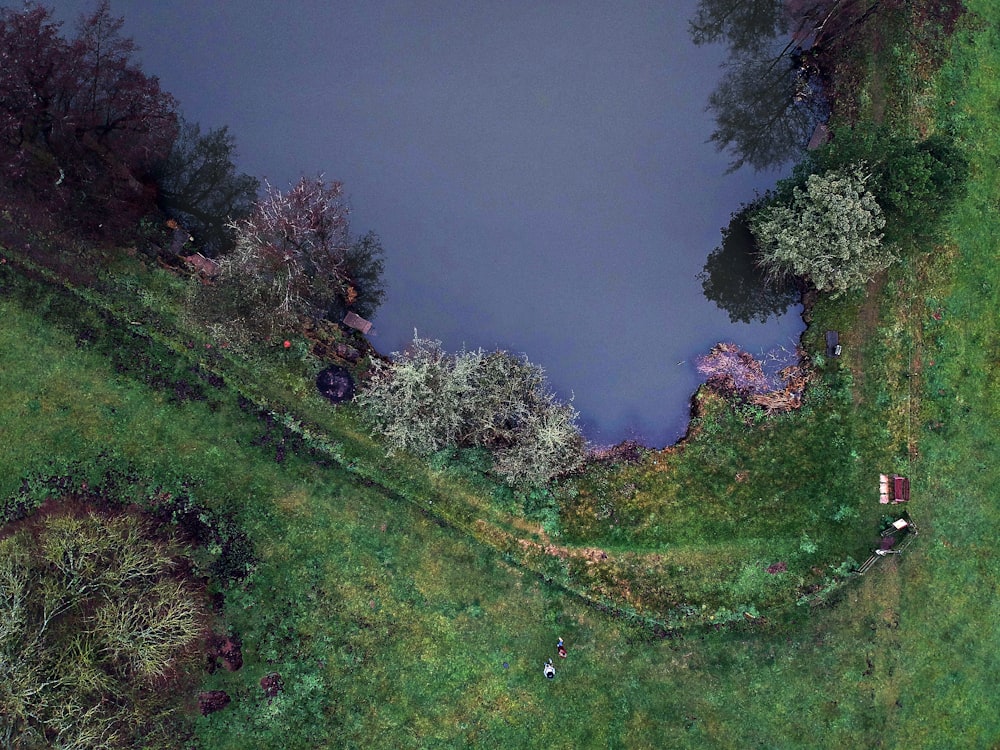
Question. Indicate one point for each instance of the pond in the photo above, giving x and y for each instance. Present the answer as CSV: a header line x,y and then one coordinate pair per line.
x,y
539,173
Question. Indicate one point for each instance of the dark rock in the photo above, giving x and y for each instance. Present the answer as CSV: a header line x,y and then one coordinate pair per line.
x,y
336,384
348,352
225,650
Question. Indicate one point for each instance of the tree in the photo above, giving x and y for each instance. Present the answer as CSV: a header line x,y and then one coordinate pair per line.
x,y
294,257
830,233
735,281
427,400
290,252
79,114
33,62
200,187
365,289
915,182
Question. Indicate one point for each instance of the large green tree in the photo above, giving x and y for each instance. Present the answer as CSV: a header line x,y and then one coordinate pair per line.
x,y
830,232
914,181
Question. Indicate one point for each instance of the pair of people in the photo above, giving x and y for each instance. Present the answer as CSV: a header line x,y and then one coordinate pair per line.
x,y
548,669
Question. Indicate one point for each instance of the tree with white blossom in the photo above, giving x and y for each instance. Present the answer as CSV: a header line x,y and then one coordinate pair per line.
x,y
427,399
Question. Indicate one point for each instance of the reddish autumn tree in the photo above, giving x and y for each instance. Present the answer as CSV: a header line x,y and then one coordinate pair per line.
x,y
79,117
33,61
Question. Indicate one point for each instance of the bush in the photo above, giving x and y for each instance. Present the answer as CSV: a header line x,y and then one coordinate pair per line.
x,y
95,618
428,400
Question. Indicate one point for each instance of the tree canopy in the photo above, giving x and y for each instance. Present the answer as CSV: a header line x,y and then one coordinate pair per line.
x,y
914,181
94,615
78,116
294,256
830,232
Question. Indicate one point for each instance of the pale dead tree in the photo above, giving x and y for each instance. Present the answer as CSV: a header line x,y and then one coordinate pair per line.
x,y
737,374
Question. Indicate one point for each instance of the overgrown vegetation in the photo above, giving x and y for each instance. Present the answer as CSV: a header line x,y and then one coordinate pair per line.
x,y
94,614
427,400
294,257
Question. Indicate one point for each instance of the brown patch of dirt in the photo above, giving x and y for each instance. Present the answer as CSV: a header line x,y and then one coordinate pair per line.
x,y
212,701
591,554
863,329
272,684
224,651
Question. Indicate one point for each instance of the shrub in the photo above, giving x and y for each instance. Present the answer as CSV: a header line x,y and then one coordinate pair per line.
x,y
428,400
93,616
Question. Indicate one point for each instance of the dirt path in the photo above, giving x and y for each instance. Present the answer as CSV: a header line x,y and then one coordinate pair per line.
x,y
863,330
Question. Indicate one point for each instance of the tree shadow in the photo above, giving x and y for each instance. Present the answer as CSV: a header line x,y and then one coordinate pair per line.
x,y
734,281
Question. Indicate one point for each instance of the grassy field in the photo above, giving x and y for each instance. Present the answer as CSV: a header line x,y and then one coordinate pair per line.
x,y
390,631
390,628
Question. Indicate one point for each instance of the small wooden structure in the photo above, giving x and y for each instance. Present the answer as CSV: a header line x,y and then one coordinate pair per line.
x,y
819,137
894,489
357,323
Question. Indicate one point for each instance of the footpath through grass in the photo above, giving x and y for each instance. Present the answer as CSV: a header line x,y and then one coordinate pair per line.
x,y
950,623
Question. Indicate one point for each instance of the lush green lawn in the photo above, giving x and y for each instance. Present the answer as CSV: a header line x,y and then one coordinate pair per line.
x,y
398,637
950,628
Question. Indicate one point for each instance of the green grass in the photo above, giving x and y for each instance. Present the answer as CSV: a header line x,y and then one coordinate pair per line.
x,y
396,637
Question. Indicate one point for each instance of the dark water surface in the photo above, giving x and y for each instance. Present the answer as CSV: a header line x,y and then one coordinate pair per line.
x,y
538,172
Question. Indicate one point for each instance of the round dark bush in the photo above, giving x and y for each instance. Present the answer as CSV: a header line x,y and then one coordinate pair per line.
x,y
336,384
